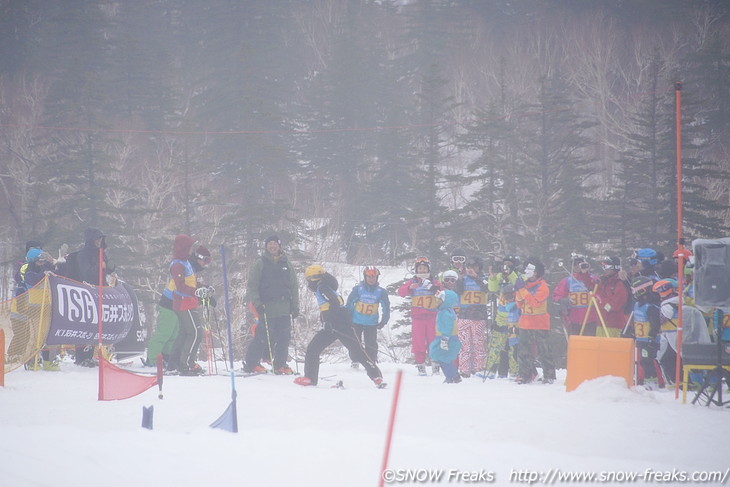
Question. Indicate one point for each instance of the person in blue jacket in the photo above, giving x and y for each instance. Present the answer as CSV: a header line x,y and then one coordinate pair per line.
x,y
364,303
446,347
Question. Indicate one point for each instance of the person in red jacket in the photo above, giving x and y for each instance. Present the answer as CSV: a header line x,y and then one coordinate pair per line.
x,y
612,298
531,296
424,306
572,296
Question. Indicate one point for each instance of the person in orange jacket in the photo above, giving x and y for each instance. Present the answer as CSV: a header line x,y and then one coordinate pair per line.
x,y
531,296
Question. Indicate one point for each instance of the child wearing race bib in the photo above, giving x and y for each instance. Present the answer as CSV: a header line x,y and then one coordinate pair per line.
x,y
424,305
364,303
472,320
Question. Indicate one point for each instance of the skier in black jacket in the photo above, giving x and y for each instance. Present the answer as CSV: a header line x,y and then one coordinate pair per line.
x,y
337,326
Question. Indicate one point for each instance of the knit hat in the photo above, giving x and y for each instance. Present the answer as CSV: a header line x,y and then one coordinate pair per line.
x,y
274,238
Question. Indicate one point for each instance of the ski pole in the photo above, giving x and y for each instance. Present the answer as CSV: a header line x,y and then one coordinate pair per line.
x,y
268,339
294,333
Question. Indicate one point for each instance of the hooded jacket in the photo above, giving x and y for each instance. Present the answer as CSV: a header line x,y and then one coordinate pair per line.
x,y
88,257
532,301
446,326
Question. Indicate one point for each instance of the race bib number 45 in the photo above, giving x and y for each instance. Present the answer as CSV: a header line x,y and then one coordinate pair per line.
x,y
473,298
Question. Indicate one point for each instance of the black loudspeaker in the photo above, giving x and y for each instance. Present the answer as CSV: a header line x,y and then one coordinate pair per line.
x,y
712,272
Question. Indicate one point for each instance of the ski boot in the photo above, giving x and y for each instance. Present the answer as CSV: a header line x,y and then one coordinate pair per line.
x,y
378,381
435,369
421,369
304,381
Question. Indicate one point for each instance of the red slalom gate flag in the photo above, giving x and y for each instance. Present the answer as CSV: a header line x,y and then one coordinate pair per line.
x,y
116,383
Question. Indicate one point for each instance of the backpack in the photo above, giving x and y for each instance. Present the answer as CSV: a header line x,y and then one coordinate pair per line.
x,y
70,268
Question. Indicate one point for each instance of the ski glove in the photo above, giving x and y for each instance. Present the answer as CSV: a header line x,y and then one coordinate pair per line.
x,y
441,295
519,284
668,311
426,284
444,343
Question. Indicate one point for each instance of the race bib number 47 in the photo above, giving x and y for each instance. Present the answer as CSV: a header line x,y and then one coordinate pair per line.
x,y
427,302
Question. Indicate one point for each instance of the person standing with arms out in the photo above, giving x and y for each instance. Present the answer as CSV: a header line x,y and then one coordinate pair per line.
x,y
424,306
337,326
363,303
531,296
273,290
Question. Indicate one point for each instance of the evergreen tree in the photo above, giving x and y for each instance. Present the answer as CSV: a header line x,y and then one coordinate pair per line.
x,y
552,173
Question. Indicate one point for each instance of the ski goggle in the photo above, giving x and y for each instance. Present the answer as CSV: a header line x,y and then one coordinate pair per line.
x,y
609,266
449,279
422,260
641,290
584,265
458,259
205,258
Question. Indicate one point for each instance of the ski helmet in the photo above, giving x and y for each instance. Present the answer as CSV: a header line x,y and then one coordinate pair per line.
x,y
314,272
507,288
450,275
33,255
458,256
424,261
665,287
611,263
475,262
512,258
641,285
647,256
371,271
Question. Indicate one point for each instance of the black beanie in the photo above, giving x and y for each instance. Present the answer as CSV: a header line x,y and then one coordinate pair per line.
x,y
274,238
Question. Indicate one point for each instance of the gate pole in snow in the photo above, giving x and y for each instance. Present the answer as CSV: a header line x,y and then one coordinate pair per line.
x,y
681,252
391,424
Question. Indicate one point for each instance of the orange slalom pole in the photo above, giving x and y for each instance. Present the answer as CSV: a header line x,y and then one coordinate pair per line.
x,y
680,238
391,424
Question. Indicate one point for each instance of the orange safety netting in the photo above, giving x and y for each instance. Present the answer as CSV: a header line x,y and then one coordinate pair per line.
x,y
25,320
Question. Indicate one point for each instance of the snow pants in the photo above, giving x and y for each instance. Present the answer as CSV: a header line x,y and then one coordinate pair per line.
x,y
367,335
498,346
270,342
324,338
185,349
423,332
525,358
473,353
165,334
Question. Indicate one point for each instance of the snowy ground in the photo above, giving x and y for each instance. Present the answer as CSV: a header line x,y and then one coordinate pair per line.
x,y
54,431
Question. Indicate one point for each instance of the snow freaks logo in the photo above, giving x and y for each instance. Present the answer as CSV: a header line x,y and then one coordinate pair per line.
x,y
75,317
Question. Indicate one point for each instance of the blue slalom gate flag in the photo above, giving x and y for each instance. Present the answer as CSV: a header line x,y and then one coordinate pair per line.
x,y
228,420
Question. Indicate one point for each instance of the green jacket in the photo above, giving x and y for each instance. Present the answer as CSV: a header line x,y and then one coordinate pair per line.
x,y
494,282
273,285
